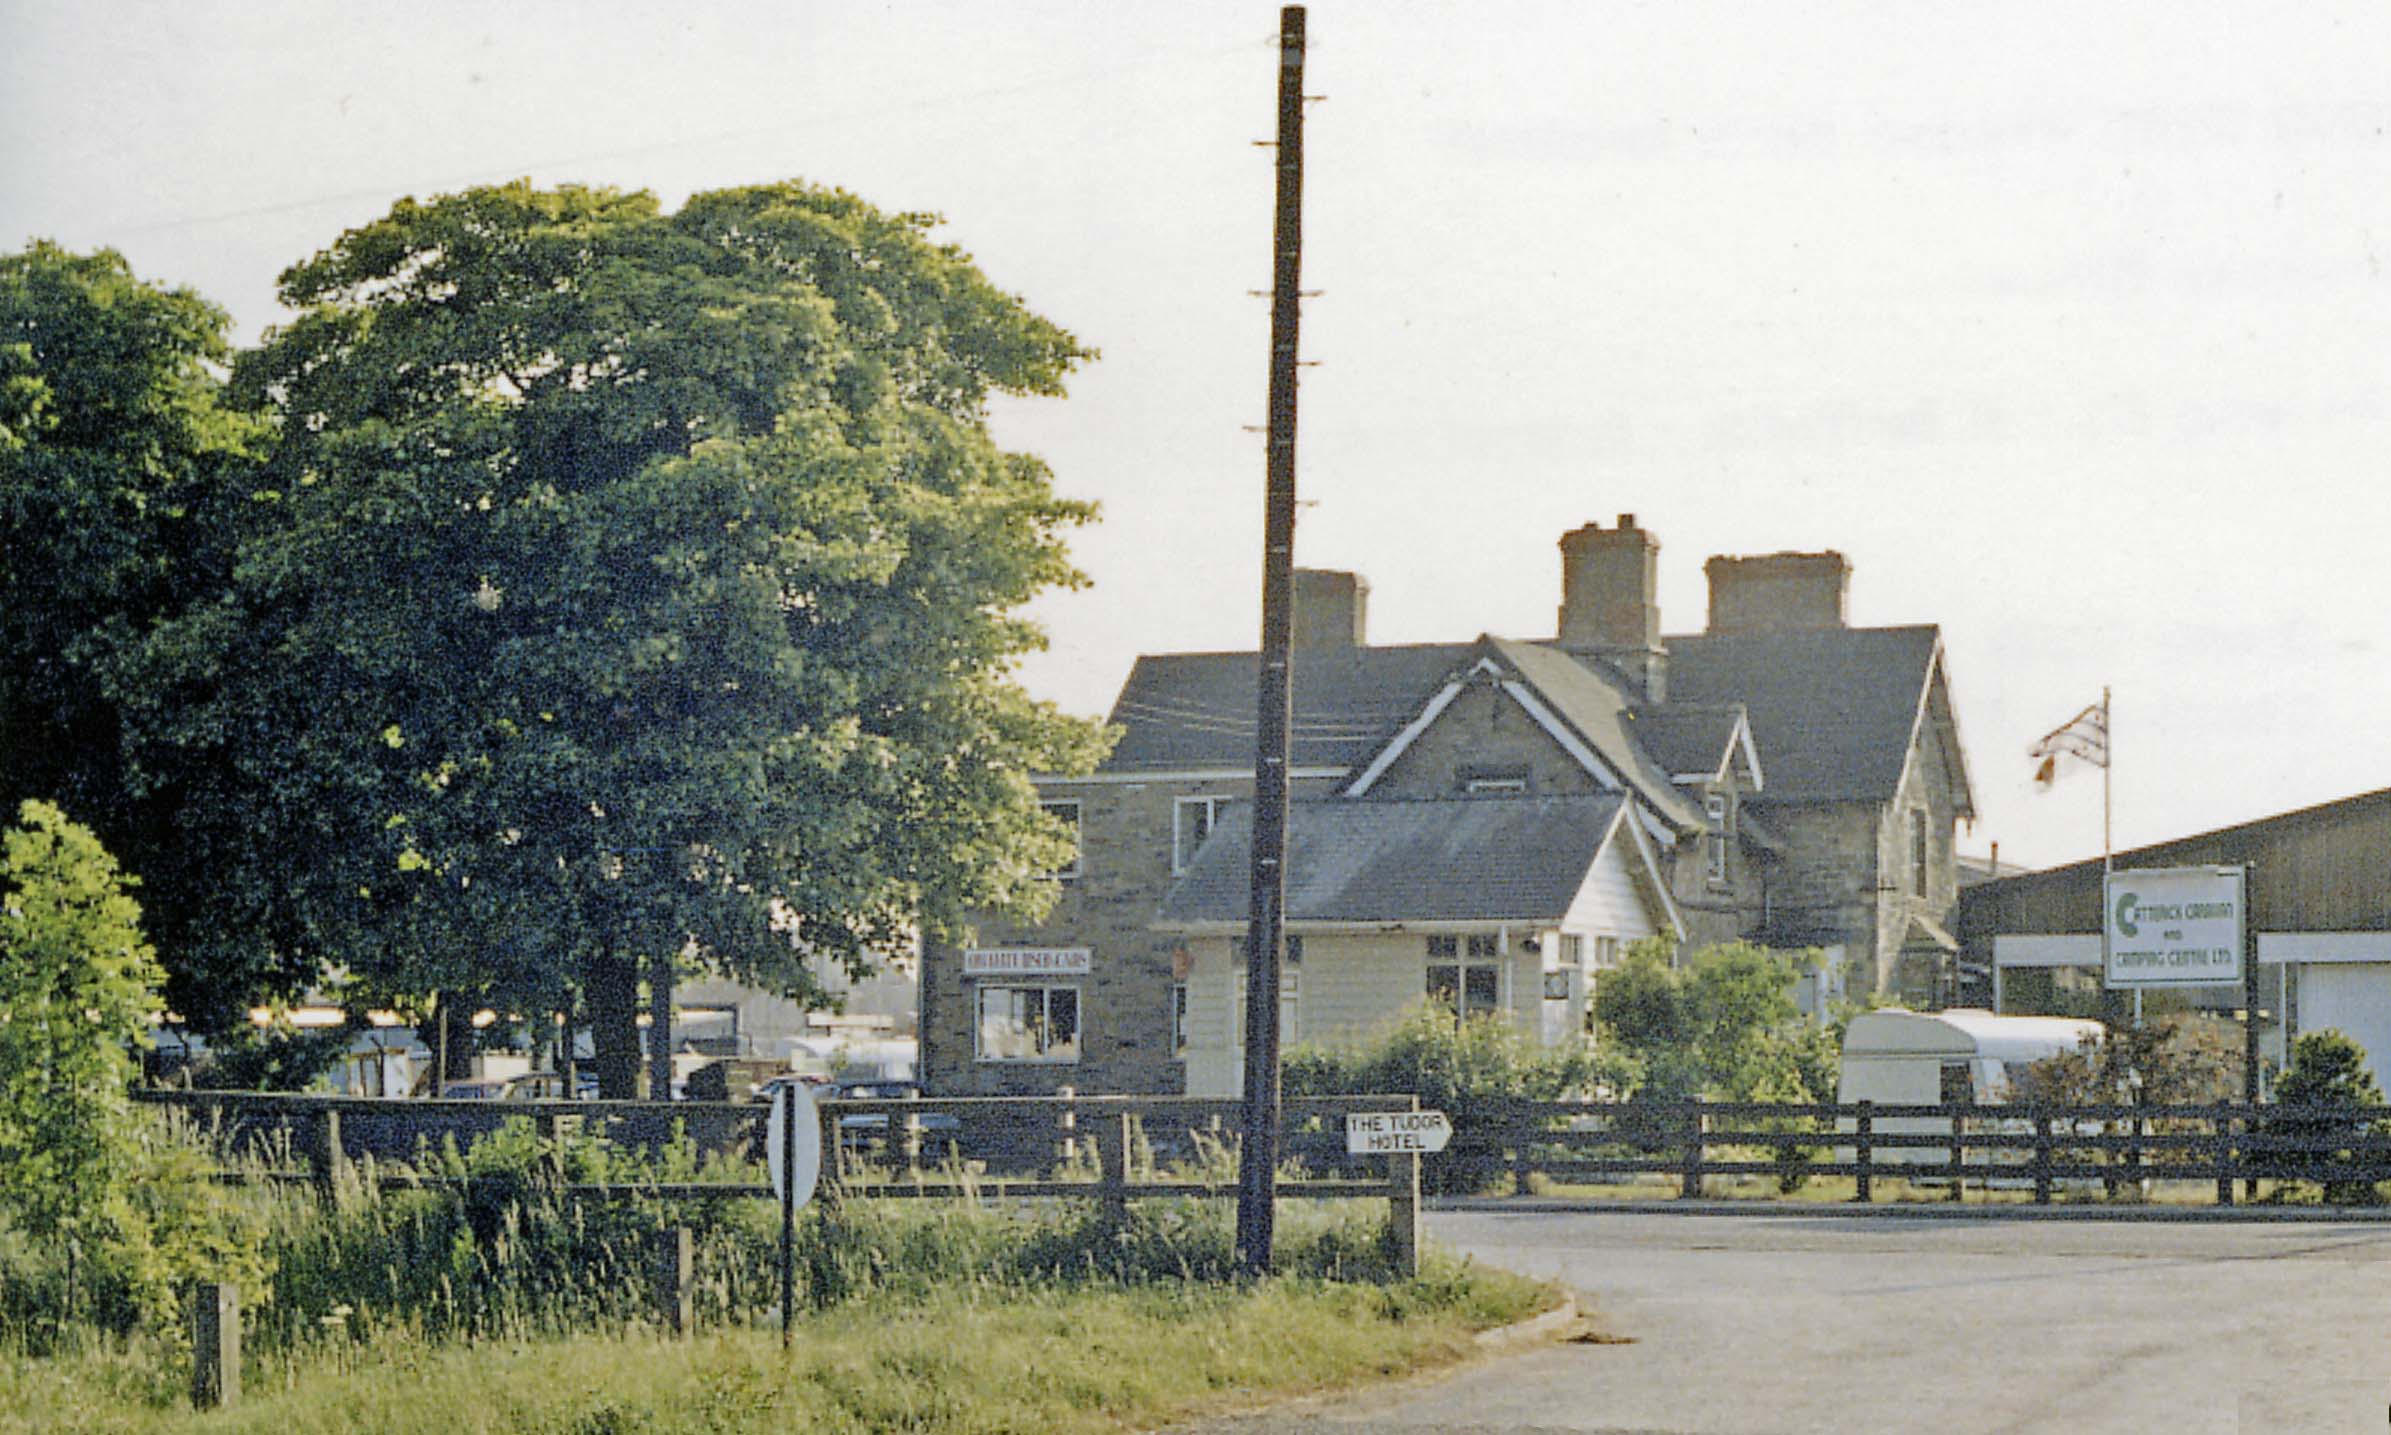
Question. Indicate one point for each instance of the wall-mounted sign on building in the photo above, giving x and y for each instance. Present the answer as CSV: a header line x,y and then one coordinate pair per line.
x,y
2175,926
1026,961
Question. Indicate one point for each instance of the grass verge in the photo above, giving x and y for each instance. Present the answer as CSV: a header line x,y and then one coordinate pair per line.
x,y
1097,1356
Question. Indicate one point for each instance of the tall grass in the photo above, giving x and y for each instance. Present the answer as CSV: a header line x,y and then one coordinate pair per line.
x,y
365,1273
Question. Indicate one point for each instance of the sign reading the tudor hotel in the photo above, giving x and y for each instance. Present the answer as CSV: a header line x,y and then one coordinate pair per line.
x,y
1026,961
2174,927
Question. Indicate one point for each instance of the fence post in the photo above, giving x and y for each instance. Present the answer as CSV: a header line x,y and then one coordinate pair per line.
x,y
1403,1210
1864,1151
215,1345
2042,1158
324,1153
1113,1152
1521,1157
2133,1147
676,1281
908,1128
834,1157
2222,1127
1697,1124
1959,1153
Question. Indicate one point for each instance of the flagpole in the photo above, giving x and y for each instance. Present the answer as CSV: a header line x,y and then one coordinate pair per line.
x,y
2108,861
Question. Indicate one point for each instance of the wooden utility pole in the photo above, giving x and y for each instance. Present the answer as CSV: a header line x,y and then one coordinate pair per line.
x,y
1257,1167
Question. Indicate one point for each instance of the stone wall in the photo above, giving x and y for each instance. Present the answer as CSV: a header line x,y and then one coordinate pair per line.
x,y
1483,732
1109,908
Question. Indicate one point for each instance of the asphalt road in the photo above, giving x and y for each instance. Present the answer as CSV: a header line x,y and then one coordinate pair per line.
x,y
1744,1325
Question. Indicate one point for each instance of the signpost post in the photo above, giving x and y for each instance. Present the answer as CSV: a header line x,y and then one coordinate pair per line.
x,y
793,1149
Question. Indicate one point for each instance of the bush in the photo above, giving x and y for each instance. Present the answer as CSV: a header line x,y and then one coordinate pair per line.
x,y
2328,1069
1472,1070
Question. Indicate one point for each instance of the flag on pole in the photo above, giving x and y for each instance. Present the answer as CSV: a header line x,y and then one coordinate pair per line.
x,y
2084,737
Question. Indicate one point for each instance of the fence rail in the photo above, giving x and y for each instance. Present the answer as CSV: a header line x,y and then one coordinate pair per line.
x,y
1108,1148
1115,1148
2023,1146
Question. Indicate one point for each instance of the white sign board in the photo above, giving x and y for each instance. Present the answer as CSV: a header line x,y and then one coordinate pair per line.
x,y
1393,1133
793,1101
2174,927
1026,961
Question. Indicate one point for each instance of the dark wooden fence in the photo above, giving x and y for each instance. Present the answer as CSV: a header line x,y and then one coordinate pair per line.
x,y
1112,1148
1115,1148
2042,1149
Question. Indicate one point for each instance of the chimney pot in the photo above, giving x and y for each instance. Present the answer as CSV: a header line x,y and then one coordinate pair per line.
x,y
1332,609
1778,592
1610,607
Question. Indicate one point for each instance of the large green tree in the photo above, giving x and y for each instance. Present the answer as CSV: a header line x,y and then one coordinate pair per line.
x,y
126,484
643,585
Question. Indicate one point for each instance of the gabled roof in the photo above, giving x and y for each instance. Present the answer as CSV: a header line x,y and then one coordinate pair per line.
x,y
1832,709
1196,710
1595,706
1831,712
1697,741
1476,859
1584,711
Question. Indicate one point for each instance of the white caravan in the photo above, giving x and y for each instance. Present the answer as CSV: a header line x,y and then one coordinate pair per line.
x,y
1966,1056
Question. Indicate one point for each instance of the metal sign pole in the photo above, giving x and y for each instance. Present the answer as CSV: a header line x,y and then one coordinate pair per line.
x,y
787,1101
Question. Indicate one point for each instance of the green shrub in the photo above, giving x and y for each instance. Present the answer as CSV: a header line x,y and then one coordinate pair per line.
x,y
2328,1069
1473,1070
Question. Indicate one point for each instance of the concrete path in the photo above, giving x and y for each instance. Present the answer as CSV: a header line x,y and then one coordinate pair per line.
x,y
1748,1325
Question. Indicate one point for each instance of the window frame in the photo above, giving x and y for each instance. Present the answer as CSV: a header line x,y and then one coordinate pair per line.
x,y
1046,990
1052,807
1465,954
1722,816
1181,853
1919,853
1178,1021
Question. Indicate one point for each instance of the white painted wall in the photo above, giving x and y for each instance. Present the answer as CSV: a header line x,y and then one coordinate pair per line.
x,y
1613,902
2355,999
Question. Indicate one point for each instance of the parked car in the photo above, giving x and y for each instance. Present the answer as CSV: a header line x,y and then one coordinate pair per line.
x,y
473,1091
863,1131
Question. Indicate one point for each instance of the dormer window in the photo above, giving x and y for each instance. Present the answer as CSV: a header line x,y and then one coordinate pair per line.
x,y
1477,781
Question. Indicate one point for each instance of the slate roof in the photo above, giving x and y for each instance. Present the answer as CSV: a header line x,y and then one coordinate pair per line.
x,y
1196,710
1686,738
1832,709
1598,710
1481,859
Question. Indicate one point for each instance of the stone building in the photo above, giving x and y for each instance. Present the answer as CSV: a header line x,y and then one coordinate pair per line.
x,y
1486,822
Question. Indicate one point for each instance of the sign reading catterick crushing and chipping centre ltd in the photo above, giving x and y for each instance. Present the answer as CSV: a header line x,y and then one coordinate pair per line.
x,y
2174,927
1026,961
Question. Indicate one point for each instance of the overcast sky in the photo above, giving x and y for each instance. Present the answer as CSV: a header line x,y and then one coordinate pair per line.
x,y
2067,324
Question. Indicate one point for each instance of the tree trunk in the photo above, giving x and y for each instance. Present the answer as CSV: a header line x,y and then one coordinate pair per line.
x,y
610,985
456,1050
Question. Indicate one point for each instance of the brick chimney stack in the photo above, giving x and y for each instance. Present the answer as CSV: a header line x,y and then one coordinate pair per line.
x,y
1610,607
1332,609
1779,592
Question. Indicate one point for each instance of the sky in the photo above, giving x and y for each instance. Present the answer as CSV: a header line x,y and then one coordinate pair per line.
x,y
2068,325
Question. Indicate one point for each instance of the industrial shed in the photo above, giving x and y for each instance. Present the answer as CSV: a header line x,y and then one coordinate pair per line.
x,y
2319,897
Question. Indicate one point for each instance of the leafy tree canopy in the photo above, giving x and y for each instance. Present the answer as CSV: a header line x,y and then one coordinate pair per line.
x,y
1722,1022
636,583
125,485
